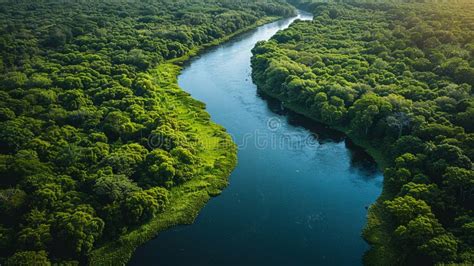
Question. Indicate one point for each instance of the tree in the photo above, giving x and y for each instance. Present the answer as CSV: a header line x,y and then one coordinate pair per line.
x,y
419,231
465,119
161,196
39,258
397,177
40,80
399,120
47,196
183,155
6,114
407,144
406,208
140,207
460,181
115,125
430,193
166,138
367,110
445,155
158,168
114,187
24,163
56,37
13,135
14,80
114,218
442,248
75,233
12,204
73,100
35,238
7,238
126,159
137,58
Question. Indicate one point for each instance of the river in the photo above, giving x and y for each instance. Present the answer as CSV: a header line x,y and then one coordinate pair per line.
x,y
299,193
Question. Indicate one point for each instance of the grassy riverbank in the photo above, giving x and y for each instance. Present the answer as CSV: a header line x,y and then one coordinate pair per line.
x,y
218,152
96,138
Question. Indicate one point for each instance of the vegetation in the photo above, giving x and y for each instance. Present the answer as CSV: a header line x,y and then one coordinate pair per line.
x,y
96,138
399,78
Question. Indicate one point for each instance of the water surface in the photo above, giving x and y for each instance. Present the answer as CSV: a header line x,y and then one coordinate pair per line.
x,y
299,193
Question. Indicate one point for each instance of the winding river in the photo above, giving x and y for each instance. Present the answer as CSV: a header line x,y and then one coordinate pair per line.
x,y
299,193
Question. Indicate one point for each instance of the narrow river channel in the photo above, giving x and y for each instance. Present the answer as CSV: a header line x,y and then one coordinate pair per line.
x,y
299,193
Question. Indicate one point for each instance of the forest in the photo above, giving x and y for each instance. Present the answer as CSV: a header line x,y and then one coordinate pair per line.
x,y
398,79
96,138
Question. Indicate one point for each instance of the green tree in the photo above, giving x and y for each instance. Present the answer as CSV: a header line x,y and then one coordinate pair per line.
x,y
76,233
114,187
406,208
39,258
442,248
35,238
460,181
139,207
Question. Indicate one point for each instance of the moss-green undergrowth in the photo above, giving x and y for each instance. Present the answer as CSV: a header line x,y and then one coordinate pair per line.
x,y
218,154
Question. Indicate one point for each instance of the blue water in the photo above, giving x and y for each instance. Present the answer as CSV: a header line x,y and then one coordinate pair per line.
x,y
299,193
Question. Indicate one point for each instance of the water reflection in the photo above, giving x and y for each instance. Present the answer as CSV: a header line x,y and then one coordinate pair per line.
x,y
362,165
320,131
301,203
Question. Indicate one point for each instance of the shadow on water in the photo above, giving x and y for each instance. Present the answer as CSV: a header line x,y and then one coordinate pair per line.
x,y
322,133
302,203
361,163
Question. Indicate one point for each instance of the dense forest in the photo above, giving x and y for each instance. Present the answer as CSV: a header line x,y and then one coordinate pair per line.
x,y
398,79
96,138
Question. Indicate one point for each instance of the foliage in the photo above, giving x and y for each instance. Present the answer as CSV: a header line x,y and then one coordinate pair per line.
x,y
399,77
29,258
86,93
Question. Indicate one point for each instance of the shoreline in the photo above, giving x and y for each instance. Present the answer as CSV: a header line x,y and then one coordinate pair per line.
x,y
375,232
377,229
364,144
187,200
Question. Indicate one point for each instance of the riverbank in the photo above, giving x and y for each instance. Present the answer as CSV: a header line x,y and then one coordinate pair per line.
x,y
198,50
280,206
377,231
375,153
219,153
333,71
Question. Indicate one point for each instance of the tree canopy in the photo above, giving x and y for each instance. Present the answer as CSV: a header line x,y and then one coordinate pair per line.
x,y
400,77
94,132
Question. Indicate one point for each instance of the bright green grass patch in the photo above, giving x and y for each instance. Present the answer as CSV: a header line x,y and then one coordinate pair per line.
x,y
217,152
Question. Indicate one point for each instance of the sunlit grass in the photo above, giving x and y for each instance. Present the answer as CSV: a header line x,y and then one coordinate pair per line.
x,y
217,152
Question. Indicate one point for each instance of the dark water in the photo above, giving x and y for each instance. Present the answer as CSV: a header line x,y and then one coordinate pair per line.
x,y
299,192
